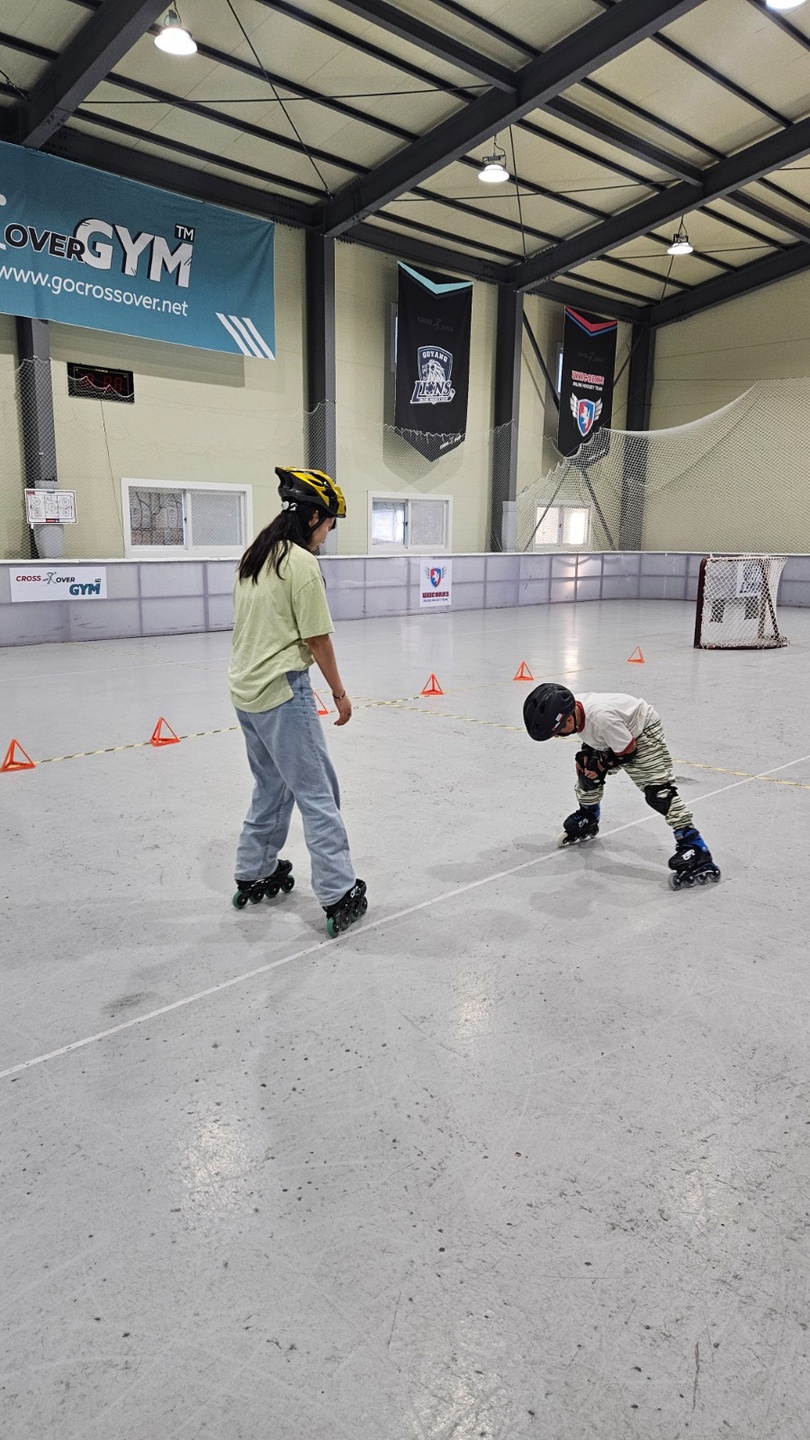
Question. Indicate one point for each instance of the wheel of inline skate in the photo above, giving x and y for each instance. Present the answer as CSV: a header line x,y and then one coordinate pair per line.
x,y
271,891
701,879
255,897
288,884
240,900
333,927
714,876
363,905
675,883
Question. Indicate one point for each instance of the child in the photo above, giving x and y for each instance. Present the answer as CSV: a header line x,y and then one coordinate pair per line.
x,y
618,732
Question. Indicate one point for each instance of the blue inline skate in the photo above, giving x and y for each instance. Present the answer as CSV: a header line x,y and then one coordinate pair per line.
x,y
692,862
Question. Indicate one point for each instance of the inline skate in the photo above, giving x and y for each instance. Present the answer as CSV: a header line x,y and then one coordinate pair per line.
x,y
582,825
344,912
255,890
692,862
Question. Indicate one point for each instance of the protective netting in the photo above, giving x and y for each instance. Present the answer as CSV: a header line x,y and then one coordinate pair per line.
x,y
735,480
736,603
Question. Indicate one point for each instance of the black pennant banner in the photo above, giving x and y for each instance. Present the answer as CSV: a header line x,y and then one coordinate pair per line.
x,y
433,360
586,393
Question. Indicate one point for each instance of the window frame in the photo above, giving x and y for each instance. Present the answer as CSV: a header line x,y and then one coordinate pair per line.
x,y
396,498
560,543
179,552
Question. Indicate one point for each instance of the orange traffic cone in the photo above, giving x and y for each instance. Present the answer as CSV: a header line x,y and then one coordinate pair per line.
x,y
11,762
158,738
524,673
431,687
322,710
636,658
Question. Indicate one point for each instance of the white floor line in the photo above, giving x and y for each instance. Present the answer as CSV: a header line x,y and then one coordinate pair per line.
x,y
358,935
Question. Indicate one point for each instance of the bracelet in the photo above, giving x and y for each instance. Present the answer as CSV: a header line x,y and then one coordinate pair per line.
x,y
339,697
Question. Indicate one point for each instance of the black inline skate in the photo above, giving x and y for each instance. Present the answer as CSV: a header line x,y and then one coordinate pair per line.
x,y
255,890
344,912
692,862
582,825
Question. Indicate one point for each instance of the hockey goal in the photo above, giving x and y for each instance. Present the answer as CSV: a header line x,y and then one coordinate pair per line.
x,y
736,603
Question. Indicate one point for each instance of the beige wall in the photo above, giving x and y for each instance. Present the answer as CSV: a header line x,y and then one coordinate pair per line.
x,y
371,458
220,419
708,360
198,415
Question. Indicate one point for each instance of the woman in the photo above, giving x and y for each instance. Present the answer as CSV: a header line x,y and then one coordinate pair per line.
x,y
282,624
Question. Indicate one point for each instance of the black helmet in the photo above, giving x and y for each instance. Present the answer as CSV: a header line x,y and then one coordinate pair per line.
x,y
311,487
546,709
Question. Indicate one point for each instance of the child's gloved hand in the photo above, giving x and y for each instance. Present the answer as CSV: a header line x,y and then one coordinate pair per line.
x,y
591,768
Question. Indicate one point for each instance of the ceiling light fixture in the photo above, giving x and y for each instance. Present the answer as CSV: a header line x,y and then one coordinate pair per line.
x,y
783,4
493,170
680,242
173,37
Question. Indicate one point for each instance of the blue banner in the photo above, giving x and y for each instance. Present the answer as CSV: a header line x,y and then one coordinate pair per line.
x,y
87,248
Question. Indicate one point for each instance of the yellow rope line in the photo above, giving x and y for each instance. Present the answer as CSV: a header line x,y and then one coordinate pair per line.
x,y
402,704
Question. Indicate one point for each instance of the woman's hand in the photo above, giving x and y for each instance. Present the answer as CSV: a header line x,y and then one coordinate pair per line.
x,y
344,709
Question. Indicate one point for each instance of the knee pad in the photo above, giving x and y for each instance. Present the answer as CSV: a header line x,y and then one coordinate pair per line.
x,y
660,797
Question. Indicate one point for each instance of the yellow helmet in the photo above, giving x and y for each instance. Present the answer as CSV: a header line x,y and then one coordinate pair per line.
x,y
312,487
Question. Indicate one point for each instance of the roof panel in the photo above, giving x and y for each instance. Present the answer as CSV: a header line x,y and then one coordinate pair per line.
x,y
742,43
672,90
533,27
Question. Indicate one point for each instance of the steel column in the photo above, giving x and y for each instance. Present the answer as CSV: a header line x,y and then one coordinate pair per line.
x,y
508,339
37,424
634,476
321,367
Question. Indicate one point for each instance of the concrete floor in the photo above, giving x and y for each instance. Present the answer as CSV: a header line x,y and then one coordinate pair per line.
x,y
525,1154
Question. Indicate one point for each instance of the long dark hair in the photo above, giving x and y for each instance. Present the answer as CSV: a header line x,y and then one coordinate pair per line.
x,y
290,527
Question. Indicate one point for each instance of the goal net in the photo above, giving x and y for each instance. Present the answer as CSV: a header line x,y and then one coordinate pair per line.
x,y
736,603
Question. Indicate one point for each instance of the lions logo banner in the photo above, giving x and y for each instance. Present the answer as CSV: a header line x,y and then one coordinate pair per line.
x,y
433,360
586,394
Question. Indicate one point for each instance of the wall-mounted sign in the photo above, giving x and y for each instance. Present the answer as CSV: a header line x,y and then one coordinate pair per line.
x,y
88,248
50,507
63,582
435,584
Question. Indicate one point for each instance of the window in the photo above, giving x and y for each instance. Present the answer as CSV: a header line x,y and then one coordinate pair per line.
x,y
398,523
563,526
191,519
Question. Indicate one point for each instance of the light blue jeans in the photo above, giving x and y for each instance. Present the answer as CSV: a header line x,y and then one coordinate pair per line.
x,y
290,763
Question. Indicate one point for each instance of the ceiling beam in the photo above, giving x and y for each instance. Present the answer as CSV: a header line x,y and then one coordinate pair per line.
x,y
717,181
86,61
397,22
168,175
729,287
623,139
589,300
588,48
422,252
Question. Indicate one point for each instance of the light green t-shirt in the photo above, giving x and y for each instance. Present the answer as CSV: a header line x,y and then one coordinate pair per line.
x,y
272,620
